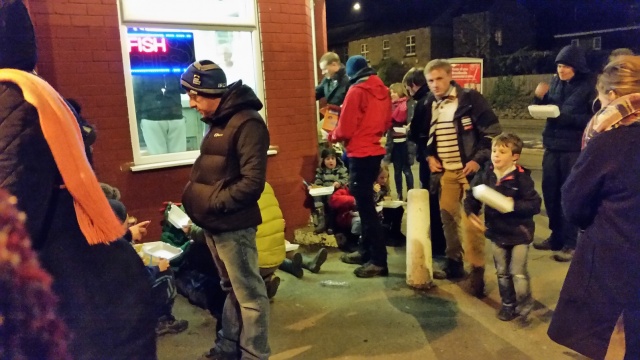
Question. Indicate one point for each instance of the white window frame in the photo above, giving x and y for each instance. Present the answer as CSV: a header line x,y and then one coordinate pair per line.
x,y
175,18
386,49
410,45
597,43
575,42
364,51
498,37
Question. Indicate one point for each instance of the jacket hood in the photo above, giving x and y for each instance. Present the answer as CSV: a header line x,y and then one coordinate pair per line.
x,y
373,85
238,97
17,37
573,56
362,74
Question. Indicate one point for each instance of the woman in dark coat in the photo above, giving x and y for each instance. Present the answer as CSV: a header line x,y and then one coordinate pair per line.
x,y
104,296
602,197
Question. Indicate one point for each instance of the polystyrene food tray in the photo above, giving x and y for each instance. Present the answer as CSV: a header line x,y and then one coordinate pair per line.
x,y
161,249
544,111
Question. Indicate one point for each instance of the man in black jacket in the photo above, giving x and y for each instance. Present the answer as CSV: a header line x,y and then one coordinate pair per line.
x,y
335,84
416,85
573,91
222,197
461,128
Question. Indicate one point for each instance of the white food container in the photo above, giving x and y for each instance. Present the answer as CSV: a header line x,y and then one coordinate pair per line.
x,y
159,249
544,111
177,217
492,198
327,190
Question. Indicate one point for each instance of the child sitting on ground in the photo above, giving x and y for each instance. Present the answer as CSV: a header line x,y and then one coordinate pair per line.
x,y
161,277
331,172
511,232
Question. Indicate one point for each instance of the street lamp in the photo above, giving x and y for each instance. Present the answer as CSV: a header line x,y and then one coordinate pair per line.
x,y
356,6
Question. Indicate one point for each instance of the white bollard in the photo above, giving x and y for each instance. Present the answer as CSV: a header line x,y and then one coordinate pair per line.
x,y
419,257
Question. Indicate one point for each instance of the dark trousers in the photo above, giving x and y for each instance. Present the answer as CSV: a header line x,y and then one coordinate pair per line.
x,y
438,242
556,167
400,160
164,293
363,172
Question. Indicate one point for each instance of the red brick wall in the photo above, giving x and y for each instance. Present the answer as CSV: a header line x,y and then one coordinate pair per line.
x,y
80,55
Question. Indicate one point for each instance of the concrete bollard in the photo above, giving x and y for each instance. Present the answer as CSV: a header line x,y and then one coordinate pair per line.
x,y
419,257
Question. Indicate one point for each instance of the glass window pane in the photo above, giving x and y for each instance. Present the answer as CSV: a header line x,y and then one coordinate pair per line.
x,y
158,57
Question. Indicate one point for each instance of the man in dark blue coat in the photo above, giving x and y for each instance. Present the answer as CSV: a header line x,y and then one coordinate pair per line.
x,y
572,89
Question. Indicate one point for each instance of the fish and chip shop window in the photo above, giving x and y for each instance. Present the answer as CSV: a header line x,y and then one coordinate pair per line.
x,y
158,46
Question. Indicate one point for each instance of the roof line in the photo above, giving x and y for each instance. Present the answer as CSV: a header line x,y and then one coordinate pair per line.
x,y
598,31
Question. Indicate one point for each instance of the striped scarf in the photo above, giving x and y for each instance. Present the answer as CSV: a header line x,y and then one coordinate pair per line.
x,y
623,111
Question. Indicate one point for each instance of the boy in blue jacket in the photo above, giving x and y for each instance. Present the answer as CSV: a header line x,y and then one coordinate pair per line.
x,y
510,232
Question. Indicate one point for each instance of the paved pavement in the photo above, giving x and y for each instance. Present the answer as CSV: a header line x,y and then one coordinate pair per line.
x,y
382,318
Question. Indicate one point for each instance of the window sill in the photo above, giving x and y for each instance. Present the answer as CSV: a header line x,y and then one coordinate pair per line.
x,y
273,150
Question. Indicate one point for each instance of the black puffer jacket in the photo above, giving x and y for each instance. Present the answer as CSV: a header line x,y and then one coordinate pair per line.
x,y
228,177
574,98
516,227
334,90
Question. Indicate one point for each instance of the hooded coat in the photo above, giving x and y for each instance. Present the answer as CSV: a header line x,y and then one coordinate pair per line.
x,y
229,175
89,280
365,116
574,98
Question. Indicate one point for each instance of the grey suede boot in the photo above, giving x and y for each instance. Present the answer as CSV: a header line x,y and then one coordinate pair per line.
x,y
474,284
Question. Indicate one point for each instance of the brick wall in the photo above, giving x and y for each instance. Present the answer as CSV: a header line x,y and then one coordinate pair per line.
x,y
397,42
80,55
288,72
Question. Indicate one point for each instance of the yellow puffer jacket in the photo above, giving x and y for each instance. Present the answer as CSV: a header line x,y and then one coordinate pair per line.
x,y
270,235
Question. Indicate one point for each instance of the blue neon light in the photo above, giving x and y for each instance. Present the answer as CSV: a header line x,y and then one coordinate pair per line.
x,y
158,71
167,35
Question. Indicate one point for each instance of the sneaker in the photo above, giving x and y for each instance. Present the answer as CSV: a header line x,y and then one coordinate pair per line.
x,y
370,270
525,307
272,287
353,258
474,284
170,325
543,245
507,313
564,255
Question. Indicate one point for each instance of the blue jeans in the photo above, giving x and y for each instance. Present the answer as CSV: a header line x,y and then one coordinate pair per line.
x,y
245,316
513,276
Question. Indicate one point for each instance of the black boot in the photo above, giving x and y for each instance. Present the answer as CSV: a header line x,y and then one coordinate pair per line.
x,y
319,221
475,282
313,264
293,266
453,270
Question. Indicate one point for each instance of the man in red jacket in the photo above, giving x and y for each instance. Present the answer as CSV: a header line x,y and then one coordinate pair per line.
x,y
364,119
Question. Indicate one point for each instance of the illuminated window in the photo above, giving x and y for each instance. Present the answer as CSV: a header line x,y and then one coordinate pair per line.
x,y
165,131
410,46
498,37
364,51
597,43
386,49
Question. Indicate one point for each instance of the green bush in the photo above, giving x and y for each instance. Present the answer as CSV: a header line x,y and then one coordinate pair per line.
x,y
391,71
508,98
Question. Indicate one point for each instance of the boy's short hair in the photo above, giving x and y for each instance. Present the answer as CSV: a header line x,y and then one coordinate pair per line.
x,y
415,76
330,58
511,140
438,64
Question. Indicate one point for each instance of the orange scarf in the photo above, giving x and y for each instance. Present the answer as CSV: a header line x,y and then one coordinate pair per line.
x,y
60,128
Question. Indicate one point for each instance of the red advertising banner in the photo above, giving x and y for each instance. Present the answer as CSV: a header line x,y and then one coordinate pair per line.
x,y
467,73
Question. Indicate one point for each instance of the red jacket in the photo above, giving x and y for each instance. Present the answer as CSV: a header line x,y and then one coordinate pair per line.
x,y
342,202
364,119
